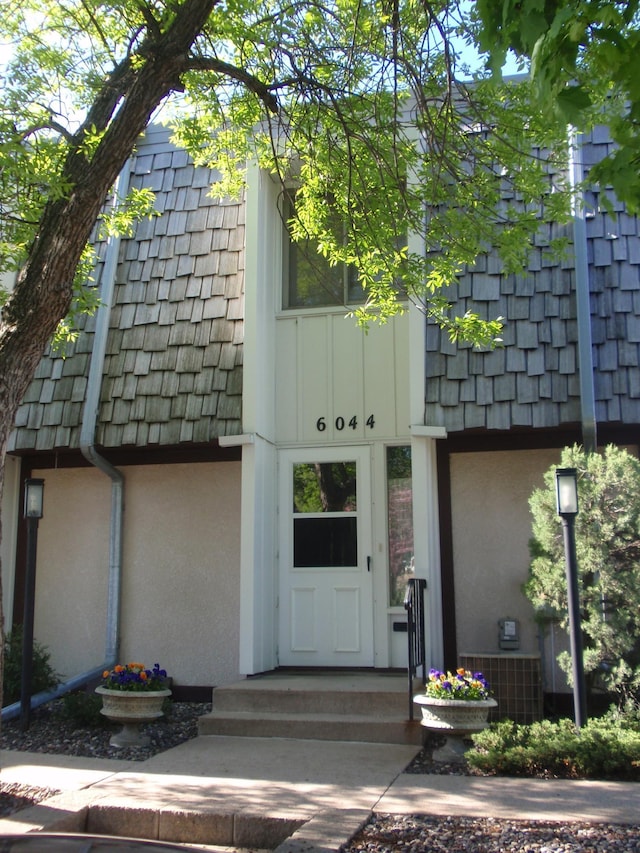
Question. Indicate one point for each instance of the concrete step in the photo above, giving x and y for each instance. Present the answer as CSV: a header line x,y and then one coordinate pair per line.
x,y
306,726
311,701
365,707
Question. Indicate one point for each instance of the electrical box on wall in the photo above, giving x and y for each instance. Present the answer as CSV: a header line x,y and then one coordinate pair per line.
x,y
509,637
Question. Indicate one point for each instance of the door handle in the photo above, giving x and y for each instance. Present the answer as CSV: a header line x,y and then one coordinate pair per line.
x,y
368,564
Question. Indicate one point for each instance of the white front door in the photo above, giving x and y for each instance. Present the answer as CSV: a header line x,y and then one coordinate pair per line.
x,y
326,590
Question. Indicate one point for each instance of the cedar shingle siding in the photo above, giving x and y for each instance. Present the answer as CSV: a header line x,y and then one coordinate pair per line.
x,y
532,382
173,367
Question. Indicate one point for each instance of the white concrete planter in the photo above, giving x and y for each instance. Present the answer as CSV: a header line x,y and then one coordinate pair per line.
x,y
131,708
454,718
454,715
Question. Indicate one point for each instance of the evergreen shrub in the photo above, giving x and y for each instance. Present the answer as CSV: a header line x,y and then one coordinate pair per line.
x,y
43,675
607,747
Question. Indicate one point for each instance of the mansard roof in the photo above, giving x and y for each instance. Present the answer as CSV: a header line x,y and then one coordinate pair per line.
x,y
173,367
533,380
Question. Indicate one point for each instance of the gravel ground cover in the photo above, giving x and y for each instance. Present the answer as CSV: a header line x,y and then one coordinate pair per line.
x,y
418,834
423,764
50,732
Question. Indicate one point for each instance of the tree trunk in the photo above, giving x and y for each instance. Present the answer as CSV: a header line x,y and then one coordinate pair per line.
x,y
44,290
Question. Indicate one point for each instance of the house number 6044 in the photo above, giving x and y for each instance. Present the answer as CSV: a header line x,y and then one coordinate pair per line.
x,y
341,423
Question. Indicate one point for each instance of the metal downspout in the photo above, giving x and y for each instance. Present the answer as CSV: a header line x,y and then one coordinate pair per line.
x,y
583,302
87,437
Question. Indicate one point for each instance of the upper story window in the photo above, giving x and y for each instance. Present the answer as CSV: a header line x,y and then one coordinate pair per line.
x,y
310,281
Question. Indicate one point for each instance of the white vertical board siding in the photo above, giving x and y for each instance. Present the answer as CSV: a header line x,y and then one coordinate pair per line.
x,y
315,362
330,373
347,389
286,379
384,370
402,357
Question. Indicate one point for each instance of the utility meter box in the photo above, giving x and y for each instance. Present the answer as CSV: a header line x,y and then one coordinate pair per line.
x,y
509,637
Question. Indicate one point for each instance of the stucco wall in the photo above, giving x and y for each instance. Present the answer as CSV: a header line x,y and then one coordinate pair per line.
x,y
180,587
491,532
72,566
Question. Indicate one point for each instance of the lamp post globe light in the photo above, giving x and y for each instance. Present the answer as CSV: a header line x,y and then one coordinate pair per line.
x,y
567,491
33,508
567,505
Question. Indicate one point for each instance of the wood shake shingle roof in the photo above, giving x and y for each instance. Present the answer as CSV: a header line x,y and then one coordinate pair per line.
x,y
173,367
533,381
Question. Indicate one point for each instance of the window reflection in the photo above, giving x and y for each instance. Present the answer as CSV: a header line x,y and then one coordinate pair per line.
x,y
399,522
324,487
314,281
325,528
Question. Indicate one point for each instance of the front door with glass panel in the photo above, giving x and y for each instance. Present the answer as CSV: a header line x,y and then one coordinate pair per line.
x,y
326,598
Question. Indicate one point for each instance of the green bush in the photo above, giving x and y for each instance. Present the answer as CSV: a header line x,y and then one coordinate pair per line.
x,y
43,675
606,747
83,709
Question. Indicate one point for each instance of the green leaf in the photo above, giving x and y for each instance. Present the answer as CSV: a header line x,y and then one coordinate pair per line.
x,y
573,102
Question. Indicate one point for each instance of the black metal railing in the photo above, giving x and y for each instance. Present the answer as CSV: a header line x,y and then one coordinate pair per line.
x,y
414,605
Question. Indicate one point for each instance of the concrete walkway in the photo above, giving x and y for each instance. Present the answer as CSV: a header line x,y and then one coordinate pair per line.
x,y
290,795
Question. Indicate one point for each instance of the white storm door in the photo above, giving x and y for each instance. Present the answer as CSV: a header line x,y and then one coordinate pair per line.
x,y
326,589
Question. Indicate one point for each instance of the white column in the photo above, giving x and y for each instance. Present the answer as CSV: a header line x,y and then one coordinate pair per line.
x,y
258,573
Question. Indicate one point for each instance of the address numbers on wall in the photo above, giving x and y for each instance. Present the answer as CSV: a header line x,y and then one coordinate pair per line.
x,y
344,423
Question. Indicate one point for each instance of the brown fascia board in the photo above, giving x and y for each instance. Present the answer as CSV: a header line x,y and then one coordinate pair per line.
x,y
123,456
478,441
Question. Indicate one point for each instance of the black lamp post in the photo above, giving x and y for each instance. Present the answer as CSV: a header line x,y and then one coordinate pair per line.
x,y
33,503
567,503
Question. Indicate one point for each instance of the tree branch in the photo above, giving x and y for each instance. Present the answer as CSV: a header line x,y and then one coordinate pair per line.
x,y
218,66
23,135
